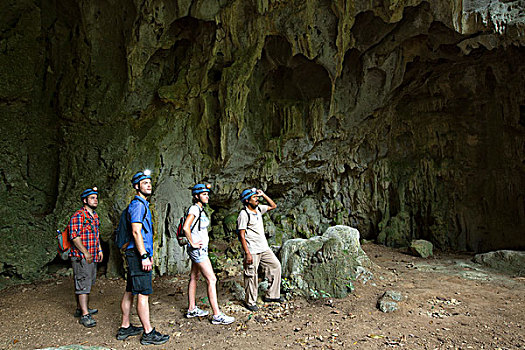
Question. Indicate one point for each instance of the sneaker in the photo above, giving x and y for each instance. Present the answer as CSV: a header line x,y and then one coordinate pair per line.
x,y
78,312
222,319
251,307
87,321
196,312
123,333
153,338
273,300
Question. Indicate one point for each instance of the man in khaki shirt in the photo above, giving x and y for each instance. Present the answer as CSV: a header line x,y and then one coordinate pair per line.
x,y
256,250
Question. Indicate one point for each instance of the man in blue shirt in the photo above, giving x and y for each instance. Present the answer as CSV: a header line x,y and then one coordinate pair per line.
x,y
139,254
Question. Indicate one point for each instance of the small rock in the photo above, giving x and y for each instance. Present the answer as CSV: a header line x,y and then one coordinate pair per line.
x,y
388,301
392,294
387,306
421,248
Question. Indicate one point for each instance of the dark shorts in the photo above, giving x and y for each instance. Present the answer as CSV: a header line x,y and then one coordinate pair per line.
x,y
84,274
138,281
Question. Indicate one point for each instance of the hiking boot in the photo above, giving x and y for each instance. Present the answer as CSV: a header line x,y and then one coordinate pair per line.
x,y
87,321
273,300
123,333
196,312
78,312
222,319
251,307
153,338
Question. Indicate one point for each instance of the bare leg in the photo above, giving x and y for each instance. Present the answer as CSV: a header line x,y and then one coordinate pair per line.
x,y
207,271
192,285
83,301
143,312
125,306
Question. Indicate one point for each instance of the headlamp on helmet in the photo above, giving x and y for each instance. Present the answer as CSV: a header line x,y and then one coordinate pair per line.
x,y
88,192
200,188
139,176
247,193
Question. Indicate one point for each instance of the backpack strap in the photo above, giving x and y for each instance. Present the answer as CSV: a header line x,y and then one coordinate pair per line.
x,y
248,214
246,210
90,222
198,219
145,209
84,219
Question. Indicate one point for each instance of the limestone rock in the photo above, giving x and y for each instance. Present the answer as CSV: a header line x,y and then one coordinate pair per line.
x,y
324,265
236,289
396,232
507,261
372,115
422,248
230,223
388,302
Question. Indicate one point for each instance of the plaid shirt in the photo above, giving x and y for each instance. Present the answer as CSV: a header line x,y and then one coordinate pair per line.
x,y
85,226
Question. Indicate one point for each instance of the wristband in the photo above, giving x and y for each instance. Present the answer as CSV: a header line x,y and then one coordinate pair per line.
x,y
144,256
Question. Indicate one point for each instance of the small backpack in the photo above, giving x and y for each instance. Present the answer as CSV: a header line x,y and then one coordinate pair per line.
x,y
64,244
123,230
181,237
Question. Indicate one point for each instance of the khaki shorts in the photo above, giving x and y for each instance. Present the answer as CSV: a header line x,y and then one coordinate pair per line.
x,y
85,275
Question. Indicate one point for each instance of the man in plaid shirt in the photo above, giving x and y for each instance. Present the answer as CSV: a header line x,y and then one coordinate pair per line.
x,y
85,253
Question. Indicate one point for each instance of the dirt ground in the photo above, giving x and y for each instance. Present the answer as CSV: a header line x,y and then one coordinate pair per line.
x,y
449,304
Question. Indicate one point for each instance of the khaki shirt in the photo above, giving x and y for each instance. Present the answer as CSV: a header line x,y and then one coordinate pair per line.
x,y
254,235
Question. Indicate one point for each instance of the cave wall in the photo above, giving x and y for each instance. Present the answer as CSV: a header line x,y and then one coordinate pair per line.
x,y
404,119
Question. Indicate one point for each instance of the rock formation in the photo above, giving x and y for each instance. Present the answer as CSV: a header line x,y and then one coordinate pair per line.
x,y
401,118
327,264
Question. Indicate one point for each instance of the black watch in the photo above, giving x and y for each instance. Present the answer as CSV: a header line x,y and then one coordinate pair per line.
x,y
144,256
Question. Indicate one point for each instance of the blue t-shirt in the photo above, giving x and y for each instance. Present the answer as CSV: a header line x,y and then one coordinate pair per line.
x,y
136,210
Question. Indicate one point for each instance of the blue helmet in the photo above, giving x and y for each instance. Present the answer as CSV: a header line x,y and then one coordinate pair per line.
x,y
199,188
138,177
88,192
247,193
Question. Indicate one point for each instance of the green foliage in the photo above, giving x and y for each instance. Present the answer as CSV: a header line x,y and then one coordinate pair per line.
x,y
287,285
317,294
214,260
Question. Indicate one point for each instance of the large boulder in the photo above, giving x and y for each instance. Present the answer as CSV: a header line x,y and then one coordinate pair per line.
x,y
324,265
507,261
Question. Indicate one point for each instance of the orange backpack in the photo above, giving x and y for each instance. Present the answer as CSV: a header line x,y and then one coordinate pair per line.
x,y
64,244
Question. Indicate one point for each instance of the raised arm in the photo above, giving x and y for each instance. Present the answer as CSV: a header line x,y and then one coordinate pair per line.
x,y
270,202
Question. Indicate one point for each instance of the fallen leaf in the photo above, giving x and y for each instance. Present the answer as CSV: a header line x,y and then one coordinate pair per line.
x,y
375,336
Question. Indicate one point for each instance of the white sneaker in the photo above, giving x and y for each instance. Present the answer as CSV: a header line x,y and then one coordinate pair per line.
x,y
196,312
222,319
